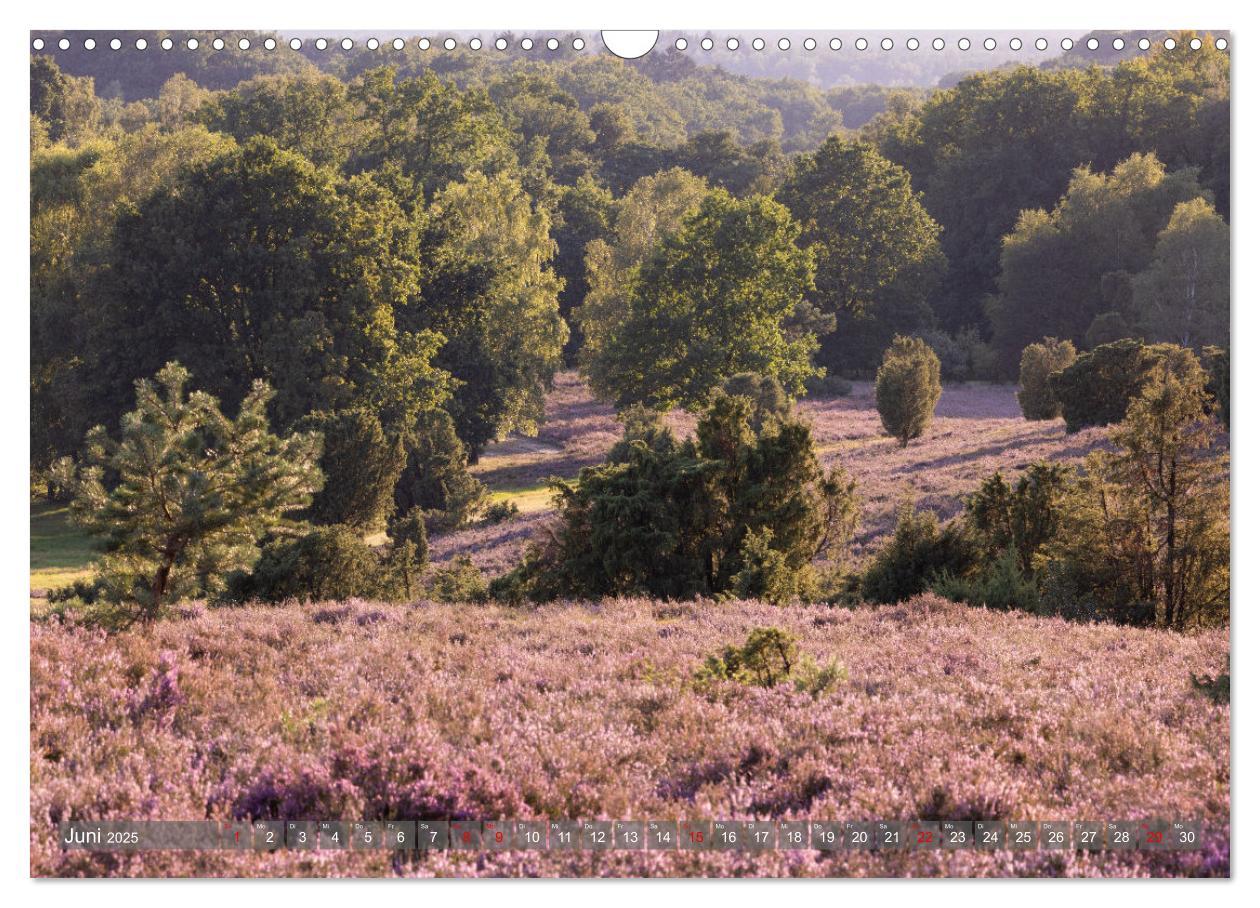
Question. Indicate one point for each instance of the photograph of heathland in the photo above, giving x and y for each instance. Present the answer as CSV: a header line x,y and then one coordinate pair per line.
x,y
483,436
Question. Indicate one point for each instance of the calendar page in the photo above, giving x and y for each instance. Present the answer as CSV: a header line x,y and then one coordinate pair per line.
x,y
679,453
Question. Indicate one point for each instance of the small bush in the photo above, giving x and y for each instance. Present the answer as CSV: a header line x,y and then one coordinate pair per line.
x,y
1022,518
1038,362
499,512
767,658
328,563
907,388
460,581
86,591
919,551
1001,585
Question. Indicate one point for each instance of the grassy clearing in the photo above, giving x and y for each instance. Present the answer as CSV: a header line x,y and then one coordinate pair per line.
x,y
530,499
60,552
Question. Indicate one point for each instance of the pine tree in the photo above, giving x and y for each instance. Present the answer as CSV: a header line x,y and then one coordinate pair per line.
x,y
194,492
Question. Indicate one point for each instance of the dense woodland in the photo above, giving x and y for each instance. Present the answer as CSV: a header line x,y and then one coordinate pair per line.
x,y
386,257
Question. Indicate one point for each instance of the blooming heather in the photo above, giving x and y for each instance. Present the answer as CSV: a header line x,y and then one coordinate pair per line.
x,y
360,710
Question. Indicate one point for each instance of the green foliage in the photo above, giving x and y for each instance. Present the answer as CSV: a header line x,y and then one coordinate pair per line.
x,y
435,478
770,402
1061,269
1022,519
460,581
672,520
65,107
409,553
499,512
650,211
767,658
361,466
711,302
1145,533
185,494
256,263
1183,297
1108,327
494,296
323,565
1037,363
1095,390
764,572
919,551
1216,361
878,250
907,388
1001,585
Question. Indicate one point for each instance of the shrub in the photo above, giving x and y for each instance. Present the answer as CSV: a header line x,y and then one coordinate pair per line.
x,y
1000,585
919,551
1038,362
1096,389
767,658
1107,328
361,467
907,388
770,402
765,573
669,519
1022,519
435,477
460,581
499,512
327,563
409,552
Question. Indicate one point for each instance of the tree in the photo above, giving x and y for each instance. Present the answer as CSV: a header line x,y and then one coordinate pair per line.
x,y
878,251
907,388
1062,269
714,300
1037,363
584,216
194,491
257,264
435,478
1183,297
66,106
494,296
361,467
736,508
653,209
1145,532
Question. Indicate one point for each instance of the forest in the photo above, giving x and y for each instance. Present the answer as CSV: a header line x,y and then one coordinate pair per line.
x,y
421,348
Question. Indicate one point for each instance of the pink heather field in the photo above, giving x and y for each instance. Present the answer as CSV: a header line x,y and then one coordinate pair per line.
x,y
360,710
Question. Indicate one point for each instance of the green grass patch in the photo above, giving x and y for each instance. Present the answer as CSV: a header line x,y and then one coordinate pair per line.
x,y
530,499
60,552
